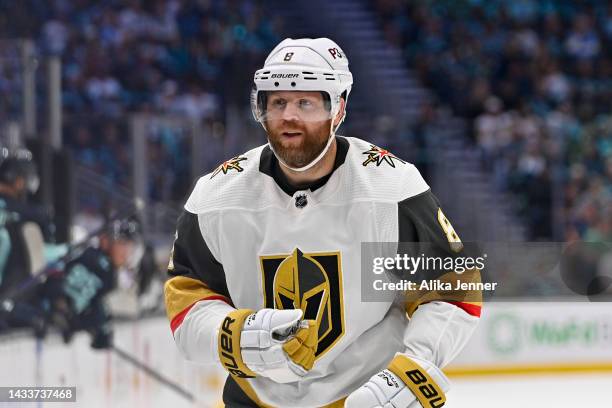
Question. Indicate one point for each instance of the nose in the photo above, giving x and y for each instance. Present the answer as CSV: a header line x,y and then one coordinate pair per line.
x,y
290,112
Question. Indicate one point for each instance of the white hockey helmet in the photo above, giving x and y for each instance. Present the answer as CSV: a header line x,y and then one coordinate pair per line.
x,y
305,64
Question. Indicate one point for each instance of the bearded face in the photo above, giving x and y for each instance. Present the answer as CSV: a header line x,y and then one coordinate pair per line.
x,y
298,125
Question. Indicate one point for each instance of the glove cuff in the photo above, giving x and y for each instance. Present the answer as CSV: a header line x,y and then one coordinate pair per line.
x,y
418,380
229,343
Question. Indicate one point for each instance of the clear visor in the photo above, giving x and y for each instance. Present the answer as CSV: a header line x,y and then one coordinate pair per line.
x,y
305,106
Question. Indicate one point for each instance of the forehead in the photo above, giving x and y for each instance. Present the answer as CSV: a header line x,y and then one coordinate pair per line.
x,y
295,94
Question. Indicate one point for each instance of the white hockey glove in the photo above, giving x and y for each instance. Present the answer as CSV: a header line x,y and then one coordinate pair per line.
x,y
272,343
408,382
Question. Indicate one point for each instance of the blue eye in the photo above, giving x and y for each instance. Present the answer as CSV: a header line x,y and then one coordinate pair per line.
x,y
278,103
304,103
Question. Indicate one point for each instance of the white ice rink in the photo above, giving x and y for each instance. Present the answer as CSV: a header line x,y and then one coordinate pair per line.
x,y
537,391
533,391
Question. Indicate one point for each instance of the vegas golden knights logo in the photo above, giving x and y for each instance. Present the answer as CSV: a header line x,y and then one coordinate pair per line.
x,y
311,282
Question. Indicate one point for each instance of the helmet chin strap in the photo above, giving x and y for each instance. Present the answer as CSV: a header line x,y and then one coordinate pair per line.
x,y
332,134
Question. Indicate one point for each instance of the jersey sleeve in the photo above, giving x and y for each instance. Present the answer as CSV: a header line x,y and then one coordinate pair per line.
x,y
426,232
441,321
196,295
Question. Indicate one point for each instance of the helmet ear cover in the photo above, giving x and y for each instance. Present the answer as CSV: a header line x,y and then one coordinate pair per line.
x,y
262,101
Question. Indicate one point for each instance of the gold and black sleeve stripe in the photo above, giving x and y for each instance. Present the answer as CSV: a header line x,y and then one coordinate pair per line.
x,y
425,231
194,273
182,293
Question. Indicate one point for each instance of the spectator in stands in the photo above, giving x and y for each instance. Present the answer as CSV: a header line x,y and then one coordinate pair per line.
x,y
583,41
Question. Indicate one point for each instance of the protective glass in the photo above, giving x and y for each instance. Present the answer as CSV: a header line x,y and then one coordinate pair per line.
x,y
311,106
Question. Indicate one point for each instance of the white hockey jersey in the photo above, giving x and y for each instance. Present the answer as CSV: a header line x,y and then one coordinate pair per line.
x,y
243,224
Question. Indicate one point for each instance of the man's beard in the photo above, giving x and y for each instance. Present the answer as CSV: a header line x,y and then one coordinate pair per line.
x,y
304,153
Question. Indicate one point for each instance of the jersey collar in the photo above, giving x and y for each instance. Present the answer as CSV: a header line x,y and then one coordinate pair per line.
x,y
269,165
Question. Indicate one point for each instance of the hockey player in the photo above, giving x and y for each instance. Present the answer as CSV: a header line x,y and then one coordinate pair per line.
x,y
18,178
265,270
75,296
18,254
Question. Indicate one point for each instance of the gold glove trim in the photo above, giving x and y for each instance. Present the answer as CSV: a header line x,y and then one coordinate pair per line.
x,y
302,348
424,388
229,344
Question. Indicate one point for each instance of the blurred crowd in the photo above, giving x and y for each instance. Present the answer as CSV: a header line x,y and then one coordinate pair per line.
x,y
135,55
189,58
106,149
534,78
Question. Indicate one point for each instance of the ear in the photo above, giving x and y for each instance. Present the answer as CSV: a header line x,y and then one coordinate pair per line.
x,y
340,113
